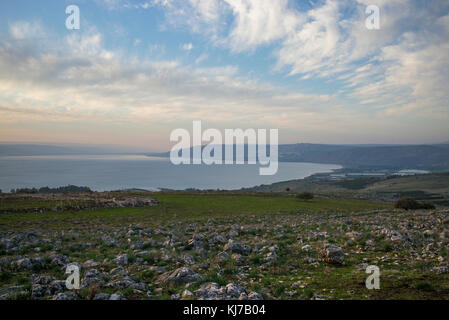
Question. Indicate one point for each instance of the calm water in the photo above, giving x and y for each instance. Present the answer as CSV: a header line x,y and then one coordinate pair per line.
x,y
102,173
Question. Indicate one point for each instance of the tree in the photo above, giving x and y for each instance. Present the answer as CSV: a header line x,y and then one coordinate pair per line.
x,y
412,204
305,196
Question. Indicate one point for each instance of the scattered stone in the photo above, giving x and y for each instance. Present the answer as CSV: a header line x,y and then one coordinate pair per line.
x,y
180,276
59,260
223,255
186,294
119,271
188,259
90,264
102,296
307,248
332,254
234,290
237,247
255,296
65,296
120,260
116,296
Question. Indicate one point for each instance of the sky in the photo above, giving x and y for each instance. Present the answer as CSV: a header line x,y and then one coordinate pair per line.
x,y
136,70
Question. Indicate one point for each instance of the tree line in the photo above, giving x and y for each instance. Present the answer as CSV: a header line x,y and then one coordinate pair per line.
x,y
69,188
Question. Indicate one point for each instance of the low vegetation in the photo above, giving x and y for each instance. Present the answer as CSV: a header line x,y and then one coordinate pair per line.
x,y
227,246
411,204
305,196
46,190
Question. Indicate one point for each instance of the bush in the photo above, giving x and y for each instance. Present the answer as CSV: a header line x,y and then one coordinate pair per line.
x,y
305,196
426,286
411,204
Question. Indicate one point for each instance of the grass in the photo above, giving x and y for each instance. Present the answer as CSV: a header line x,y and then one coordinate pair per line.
x,y
356,184
273,219
197,206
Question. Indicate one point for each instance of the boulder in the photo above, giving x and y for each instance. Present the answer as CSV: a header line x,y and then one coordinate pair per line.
x,y
179,276
236,247
332,254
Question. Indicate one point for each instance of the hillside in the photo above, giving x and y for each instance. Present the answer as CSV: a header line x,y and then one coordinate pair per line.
x,y
434,187
433,157
407,156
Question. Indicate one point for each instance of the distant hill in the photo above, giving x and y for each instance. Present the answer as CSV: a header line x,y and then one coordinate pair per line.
x,y
407,156
373,156
433,157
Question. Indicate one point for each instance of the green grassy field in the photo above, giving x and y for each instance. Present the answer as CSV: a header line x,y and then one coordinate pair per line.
x,y
190,206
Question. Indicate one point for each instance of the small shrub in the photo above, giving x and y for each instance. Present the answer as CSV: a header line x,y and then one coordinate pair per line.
x,y
426,286
148,275
305,196
279,291
308,293
411,204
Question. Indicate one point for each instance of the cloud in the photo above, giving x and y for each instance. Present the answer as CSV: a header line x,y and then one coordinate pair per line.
x,y
400,68
412,72
396,73
258,22
24,29
122,4
201,58
201,16
87,81
187,46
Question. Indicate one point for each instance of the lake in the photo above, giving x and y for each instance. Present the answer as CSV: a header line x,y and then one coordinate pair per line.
x,y
114,172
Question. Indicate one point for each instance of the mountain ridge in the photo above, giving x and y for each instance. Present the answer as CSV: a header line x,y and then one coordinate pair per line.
x,y
379,156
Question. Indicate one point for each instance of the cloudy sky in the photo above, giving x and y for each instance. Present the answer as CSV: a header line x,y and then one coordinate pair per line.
x,y
136,70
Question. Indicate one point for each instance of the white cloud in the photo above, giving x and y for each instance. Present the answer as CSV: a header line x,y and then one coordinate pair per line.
x,y
315,43
89,81
201,16
201,58
258,22
187,46
24,29
398,72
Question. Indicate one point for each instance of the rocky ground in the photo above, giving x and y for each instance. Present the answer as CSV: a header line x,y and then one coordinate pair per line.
x,y
165,254
61,202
